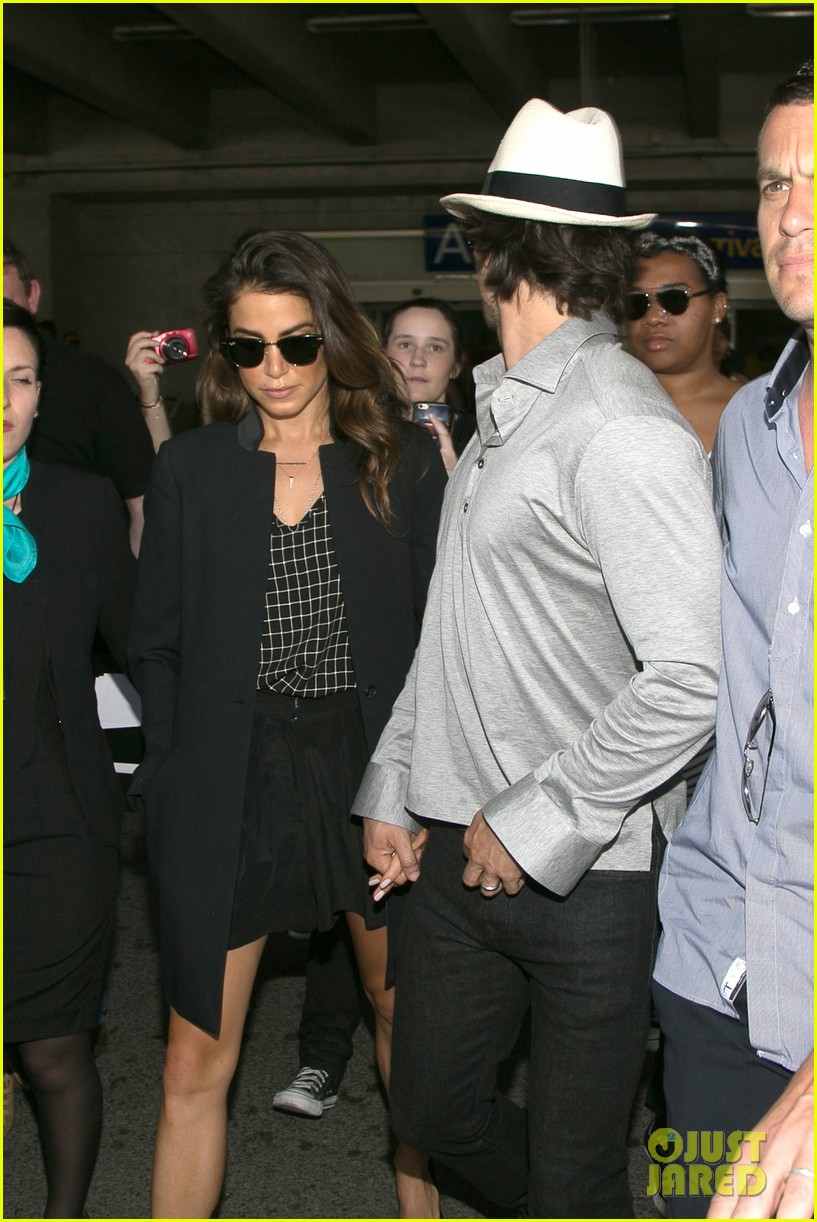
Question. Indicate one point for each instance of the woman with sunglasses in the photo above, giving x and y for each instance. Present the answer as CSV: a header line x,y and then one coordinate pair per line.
x,y
283,573
677,299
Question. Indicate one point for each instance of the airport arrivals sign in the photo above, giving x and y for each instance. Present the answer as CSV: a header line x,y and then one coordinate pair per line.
x,y
733,235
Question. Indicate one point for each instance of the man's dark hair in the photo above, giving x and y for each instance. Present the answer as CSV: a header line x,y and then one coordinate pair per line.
x,y
584,267
798,90
14,257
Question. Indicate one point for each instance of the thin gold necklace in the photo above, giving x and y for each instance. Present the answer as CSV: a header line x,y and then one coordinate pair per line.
x,y
279,511
302,462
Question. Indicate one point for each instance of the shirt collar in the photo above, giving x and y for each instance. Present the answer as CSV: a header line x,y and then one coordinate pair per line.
x,y
786,374
250,430
505,396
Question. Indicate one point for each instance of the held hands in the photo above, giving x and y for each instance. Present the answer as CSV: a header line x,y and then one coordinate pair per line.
x,y
490,866
142,361
394,852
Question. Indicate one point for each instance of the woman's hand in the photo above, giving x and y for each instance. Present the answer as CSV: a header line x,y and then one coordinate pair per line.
x,y
447,451
145,365
394,852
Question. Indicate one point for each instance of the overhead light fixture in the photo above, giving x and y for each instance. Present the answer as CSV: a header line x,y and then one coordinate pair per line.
x,y
154,31
365,23
778,10
581,14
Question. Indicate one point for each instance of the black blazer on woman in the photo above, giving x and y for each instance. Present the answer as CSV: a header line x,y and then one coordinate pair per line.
x,y
83,579
195,650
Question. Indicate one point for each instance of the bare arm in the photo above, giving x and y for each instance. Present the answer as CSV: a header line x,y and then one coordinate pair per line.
x,y
143,363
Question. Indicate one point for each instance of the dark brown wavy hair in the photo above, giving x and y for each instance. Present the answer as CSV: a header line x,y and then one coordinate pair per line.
x,y
584,267
361,381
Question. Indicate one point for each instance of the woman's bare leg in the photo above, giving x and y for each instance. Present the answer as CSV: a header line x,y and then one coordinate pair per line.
x,y
417,1197
191,1137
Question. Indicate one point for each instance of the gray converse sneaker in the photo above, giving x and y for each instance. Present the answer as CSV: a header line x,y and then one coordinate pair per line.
x,y
309,1094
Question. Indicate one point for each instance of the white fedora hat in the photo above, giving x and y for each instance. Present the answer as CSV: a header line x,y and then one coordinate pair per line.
x,y
556,167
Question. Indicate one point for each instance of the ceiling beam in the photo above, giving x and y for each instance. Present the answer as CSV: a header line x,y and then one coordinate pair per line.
x,y
271,44
67,47
700,35
25,114
480,38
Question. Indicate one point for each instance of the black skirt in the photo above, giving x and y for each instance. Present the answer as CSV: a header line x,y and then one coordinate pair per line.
x,y
301,857
59,881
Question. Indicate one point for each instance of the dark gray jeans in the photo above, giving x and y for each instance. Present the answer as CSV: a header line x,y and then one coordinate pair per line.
x,y
467,970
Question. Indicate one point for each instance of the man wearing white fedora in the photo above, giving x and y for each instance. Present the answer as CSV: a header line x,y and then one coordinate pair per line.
x,y
567,669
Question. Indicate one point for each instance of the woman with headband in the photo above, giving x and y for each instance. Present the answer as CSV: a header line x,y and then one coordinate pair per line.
x,y
677,300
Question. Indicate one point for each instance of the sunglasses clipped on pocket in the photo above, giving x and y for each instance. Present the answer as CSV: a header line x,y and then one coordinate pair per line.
x,y
671,301
245,352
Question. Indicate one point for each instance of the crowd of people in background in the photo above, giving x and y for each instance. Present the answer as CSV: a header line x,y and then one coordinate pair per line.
x,y
431,660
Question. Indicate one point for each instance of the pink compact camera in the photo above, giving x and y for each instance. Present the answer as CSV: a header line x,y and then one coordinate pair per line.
x,y
171,347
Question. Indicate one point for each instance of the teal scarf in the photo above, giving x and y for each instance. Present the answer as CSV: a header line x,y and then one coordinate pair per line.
x,y
19,548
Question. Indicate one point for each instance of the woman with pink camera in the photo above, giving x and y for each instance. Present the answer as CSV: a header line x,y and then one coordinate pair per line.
x,y
287,550
147,356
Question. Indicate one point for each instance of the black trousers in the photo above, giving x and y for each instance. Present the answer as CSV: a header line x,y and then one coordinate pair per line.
x,y
468,968
714,1082
333,1002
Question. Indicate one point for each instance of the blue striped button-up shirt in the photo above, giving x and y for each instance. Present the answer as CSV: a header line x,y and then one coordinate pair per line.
x,y
732,888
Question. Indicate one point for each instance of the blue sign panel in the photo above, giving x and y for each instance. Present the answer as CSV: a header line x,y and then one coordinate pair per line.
x,y
446,249
733,235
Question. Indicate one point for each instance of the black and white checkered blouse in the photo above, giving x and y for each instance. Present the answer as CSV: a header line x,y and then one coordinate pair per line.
x,y
304,639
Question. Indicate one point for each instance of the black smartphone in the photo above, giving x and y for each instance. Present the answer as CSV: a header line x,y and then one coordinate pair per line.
x,y
420,413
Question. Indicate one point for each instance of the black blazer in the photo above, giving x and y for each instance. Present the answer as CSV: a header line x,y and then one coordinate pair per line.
x,y
83,580
195,650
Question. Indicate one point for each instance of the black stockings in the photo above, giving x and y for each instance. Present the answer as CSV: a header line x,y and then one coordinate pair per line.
x,y
67,1096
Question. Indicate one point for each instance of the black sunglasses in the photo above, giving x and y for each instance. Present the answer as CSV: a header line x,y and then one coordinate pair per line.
x,y
764,719
247,353
671,301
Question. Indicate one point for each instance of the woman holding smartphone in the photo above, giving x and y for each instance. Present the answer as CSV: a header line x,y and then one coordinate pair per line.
x,y
284,565
424,339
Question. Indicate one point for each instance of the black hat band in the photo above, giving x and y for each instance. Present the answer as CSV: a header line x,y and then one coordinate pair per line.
x,y
597,197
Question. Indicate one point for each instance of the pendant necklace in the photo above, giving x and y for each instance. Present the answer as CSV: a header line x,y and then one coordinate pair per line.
x,y
277,503
304,462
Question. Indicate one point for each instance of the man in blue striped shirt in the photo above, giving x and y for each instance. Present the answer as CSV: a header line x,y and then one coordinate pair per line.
x,y
734,970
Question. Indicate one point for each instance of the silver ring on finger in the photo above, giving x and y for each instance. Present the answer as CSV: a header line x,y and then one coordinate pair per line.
x,y
485,887
806,1171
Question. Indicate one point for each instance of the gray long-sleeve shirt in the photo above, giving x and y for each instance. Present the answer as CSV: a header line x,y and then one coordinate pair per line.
x,y
569,657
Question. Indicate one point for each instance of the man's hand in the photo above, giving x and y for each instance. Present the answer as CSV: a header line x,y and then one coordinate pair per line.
x,y
394,852
786,1157
490,865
